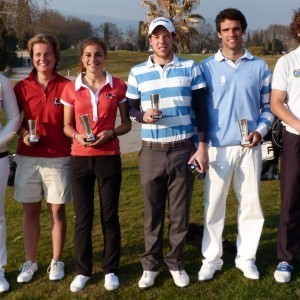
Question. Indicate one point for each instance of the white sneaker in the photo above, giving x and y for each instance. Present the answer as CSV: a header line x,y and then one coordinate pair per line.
x,y
111,282
147,279
78,283
249,270
181,279
207,272
4,286
283,273
27,271
56,270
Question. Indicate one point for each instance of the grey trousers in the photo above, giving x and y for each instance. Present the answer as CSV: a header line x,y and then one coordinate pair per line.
x,y
165,177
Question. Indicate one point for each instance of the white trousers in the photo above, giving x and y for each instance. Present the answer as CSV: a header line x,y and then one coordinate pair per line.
x,y
242,166
4,170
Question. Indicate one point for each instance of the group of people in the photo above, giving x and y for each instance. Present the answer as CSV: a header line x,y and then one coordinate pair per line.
x,y
211,115
55,158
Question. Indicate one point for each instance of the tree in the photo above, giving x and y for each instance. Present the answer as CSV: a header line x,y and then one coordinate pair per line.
x,y
106,35
77,30
249,41
141,40
111,35
126,46
256,39
180,13
70,32
16,26
130,35
129,39
3,49
275,39
205,39
282,33
24,22
267,44
47,22
273,43
20,16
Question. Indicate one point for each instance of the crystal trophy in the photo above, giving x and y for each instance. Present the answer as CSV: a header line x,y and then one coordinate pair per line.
x,y
86,123
243,124
155,104
32,130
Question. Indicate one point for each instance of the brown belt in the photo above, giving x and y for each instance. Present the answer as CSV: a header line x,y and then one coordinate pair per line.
x,y
168,145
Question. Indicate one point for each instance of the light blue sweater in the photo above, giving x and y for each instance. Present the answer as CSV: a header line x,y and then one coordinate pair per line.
x,y
234,93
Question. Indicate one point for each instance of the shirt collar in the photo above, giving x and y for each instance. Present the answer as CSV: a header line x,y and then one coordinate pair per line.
x,y
219,56
32,75
174,62
79,83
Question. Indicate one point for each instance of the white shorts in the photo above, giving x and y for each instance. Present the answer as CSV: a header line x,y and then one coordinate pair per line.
x,y
40,178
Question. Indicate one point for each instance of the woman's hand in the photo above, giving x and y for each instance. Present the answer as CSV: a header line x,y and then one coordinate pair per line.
x,y
101,138
26,140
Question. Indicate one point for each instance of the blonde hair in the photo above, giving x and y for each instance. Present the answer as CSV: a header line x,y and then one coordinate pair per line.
x,y
46,39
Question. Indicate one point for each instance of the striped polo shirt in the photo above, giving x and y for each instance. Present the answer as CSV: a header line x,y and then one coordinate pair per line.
x,y
174,83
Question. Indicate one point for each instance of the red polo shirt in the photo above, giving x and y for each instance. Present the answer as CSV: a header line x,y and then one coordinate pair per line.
x,y
102,117
45,108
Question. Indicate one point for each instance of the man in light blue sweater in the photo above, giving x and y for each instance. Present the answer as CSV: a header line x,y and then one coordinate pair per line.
x,y
237,88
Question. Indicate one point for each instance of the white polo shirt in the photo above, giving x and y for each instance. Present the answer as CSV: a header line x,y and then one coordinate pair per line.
x,y
286,77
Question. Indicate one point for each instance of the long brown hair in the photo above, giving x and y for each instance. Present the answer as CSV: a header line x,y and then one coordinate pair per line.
x,y
88,42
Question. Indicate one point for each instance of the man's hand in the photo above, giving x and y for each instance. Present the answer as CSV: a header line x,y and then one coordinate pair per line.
x,y
254,138
147,117
201,156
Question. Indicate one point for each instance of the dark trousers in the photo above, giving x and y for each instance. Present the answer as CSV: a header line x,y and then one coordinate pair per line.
x,y
165,175
289,223
84,172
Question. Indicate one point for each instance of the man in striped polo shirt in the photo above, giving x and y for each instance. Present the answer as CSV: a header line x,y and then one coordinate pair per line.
x,y
237,88
167,146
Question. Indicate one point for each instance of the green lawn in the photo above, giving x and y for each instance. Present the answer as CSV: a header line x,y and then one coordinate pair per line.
x,y
228,284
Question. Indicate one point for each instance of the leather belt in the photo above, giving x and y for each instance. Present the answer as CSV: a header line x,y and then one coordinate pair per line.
x,y
3,154
167,145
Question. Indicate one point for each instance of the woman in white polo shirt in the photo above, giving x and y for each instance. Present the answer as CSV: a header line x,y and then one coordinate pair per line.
x,y
8,105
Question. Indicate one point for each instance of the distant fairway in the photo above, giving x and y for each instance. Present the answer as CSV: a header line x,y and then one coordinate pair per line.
x,y
119,63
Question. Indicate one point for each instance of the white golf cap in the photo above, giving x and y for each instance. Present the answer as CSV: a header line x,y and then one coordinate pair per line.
x,y
161,21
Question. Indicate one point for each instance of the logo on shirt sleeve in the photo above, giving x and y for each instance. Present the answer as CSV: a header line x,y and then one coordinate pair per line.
x,y
297,73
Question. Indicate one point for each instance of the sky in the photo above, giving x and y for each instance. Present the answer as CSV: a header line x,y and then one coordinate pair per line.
x,y
259,13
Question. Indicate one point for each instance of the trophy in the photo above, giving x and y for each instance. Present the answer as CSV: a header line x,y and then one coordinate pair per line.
x,y
243,124
32,130
155,104
86,123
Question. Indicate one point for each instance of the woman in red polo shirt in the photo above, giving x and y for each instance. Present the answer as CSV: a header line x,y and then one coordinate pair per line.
x,y
95,96
43,160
